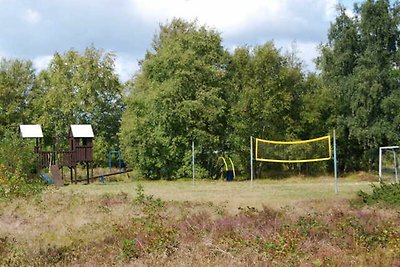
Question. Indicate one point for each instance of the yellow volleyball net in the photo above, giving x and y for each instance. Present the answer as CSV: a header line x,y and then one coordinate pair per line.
x,y
311,150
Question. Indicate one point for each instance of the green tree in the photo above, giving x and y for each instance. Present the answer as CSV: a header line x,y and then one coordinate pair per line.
x,y
359,65
269,89
179,95
81,89
17,80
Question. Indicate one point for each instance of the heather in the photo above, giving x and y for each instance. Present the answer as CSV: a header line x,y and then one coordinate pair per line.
x,y
68,227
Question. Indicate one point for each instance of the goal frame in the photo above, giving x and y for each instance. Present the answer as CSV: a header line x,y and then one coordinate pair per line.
x,y
392,148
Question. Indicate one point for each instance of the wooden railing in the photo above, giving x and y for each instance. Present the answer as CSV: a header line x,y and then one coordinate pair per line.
x,y
66,158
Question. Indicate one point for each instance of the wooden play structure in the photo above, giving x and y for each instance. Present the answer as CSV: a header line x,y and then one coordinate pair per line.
x,y
80,142
80,139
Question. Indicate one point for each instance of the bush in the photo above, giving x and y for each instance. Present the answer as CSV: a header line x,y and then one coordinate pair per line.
x,y
16,184
17,153
384,194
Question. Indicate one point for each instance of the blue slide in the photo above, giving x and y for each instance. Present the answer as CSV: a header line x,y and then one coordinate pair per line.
x,y
46,178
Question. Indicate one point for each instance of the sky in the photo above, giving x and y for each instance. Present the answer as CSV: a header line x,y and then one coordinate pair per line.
x,y
36,29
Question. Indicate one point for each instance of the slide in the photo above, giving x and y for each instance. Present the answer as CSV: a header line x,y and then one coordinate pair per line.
x,y
56,174
46,178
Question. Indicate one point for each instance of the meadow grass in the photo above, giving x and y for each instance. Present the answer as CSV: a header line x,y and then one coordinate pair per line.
x,y
232,195
292,222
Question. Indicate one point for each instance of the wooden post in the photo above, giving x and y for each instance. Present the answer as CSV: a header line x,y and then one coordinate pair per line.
x,y
92,169
72,175
87,172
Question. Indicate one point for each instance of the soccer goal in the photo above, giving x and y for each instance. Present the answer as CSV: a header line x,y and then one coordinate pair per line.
x,y
388,165
301,151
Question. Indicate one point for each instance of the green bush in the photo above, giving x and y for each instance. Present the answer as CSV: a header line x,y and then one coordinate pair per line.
x,y
17,184
17,167
384,194
17,153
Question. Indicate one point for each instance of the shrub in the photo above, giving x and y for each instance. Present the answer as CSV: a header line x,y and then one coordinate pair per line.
x,y
17,154
384,194
16,184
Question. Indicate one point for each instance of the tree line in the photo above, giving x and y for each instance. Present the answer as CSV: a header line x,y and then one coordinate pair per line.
x,y
190,88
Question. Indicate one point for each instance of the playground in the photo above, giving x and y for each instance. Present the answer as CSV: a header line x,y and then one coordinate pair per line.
x,y
80,153
112,216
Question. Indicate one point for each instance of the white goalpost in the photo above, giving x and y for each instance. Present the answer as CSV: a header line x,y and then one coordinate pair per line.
x,y
300,151
382,161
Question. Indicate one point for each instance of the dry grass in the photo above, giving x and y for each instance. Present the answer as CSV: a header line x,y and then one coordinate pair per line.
x,y
231,195
295,222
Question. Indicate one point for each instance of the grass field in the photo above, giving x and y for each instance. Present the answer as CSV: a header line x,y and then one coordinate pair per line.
x,y
290,222
272,193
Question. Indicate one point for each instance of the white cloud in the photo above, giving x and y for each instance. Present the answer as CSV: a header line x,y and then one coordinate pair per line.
x,y
330,9
127,26
308,51
226,15
42,62
125,66
32,16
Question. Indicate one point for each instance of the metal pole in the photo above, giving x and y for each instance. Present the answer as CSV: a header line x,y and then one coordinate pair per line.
x,y
109,160
251,161
380,159
119,161
395,165
335,162
193,162
380,164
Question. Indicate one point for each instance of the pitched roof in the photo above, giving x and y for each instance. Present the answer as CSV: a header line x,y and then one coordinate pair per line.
x,y
31,131
82,130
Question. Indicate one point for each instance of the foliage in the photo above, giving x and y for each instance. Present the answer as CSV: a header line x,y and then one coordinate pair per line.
x,y
190,88
359,67
17,184
17,167
114,229
270,94
17,80
147,200
382,194
16,154
80,89
177,97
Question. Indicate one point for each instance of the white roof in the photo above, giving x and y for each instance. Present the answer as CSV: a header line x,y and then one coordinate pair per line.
x,y
31,131
82,130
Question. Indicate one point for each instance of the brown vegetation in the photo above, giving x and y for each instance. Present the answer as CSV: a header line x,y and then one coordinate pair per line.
x,y
59,228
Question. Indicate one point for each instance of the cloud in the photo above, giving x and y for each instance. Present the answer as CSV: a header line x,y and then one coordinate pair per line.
x,y
63,25
252,22
42,62
226,15
308,51
232,18
126,66
43,27
330,8
32,16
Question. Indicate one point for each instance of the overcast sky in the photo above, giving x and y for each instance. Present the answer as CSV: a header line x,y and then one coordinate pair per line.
x,y
36,29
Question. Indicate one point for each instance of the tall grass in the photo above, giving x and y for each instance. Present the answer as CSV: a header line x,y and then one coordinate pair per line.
x,y
234,194
131,224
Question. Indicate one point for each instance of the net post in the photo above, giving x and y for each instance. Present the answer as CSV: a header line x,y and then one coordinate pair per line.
x,y
380,165
193,162
251,161
335,162
395,165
